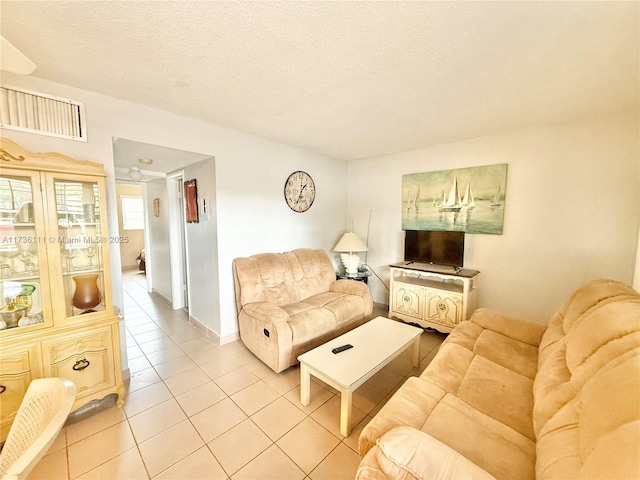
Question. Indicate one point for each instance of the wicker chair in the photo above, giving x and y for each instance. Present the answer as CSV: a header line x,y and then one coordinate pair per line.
x,y
42,413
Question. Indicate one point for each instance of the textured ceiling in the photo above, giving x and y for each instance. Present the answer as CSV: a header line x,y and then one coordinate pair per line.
x,y
346,79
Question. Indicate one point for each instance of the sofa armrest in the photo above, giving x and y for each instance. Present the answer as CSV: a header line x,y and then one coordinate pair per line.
x,y
408,453
510,326
350,287
266,312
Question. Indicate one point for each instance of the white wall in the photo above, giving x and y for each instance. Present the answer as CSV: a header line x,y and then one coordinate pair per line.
x,y
254,218
158,266
572,210
250,175
202,245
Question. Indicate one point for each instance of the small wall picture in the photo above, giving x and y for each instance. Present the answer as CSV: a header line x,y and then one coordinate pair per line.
x,y
156,207
191,201
470,200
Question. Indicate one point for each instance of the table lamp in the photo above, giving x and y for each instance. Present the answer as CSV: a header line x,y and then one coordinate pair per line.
x,y
348,245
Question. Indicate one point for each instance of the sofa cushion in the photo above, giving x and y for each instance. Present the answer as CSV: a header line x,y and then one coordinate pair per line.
x,y
308,322
407,454
580,440
265,277
487,442
500,393
311,270
493,373
601,320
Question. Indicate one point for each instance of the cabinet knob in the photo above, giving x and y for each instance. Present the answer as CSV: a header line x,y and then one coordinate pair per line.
x,y
81,364
2,389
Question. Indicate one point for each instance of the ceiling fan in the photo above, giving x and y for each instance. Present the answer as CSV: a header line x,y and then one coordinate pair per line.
x,y
13,60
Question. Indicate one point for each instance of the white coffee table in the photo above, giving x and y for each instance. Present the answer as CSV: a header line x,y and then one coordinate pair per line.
x,y
375,344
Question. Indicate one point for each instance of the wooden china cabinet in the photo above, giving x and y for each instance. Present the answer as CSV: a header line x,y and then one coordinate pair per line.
x,y
57,314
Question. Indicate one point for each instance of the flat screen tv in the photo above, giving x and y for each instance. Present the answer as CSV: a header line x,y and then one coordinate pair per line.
x,y
434,247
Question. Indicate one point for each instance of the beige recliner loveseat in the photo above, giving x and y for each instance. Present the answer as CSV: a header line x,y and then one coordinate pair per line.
x,y
289,303
510,399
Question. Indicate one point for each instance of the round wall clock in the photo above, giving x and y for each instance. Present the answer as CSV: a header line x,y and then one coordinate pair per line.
x,y
299,191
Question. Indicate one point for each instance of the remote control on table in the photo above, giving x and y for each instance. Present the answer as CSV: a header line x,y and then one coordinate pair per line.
x,y
342,348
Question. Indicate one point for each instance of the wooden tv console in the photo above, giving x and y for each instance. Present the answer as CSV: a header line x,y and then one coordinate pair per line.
x,y
432,296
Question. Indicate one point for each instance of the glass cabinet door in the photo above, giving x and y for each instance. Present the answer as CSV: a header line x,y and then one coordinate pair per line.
x,y
81,243
24,290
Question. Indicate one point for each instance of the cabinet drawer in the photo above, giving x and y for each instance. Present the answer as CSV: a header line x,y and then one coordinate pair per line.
x,y
16,372
86,359
13,388
90,371
17,362
73,345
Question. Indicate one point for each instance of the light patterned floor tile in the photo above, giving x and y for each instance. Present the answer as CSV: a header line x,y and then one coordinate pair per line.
x,y
254,397
156,419
94,424
169,447
235,381
220,366
174,367
201,397
278,418
272,464
328,415
307,444
284,381
145,398
341,464
143,378
200,465
103,446
217,419
165,354
51,467
126,466
185,381
238,446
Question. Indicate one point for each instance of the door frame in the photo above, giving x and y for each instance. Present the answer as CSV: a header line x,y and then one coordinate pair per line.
x,y
178,250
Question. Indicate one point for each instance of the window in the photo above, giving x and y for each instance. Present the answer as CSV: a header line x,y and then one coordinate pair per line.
x,y
132,213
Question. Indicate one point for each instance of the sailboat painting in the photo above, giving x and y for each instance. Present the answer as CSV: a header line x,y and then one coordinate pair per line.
x,y
470,200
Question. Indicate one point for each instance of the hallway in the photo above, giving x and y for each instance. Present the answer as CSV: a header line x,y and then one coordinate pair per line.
x,y
198,410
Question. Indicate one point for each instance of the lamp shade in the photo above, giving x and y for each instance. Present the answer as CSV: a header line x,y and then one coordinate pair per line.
x,y
350,242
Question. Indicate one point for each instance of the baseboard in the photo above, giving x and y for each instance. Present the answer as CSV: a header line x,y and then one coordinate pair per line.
x,y
211,334
162,297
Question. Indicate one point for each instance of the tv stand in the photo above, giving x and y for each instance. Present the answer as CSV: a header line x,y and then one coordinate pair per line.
x,y
434,296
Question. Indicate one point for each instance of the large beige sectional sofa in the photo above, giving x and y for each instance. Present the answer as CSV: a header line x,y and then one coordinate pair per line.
x,y
510,399
289,303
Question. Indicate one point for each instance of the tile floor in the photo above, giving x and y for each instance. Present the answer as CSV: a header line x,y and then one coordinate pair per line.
x,y
197,410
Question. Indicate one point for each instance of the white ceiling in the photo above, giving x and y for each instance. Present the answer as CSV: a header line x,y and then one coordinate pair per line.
x,y
128,153
346,79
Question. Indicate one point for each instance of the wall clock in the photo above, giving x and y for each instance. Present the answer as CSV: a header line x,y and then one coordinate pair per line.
x,y
299,191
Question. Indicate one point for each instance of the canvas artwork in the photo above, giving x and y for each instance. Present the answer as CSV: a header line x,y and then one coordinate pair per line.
x,y
470,200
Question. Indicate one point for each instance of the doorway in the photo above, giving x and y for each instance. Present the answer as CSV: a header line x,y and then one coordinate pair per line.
x,y
177,242
131,225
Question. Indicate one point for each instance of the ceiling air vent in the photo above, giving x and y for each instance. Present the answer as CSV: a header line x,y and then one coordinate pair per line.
x,y
35,112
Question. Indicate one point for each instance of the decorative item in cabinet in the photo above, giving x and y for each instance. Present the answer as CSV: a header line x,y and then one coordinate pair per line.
x,y
53,233
23,252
